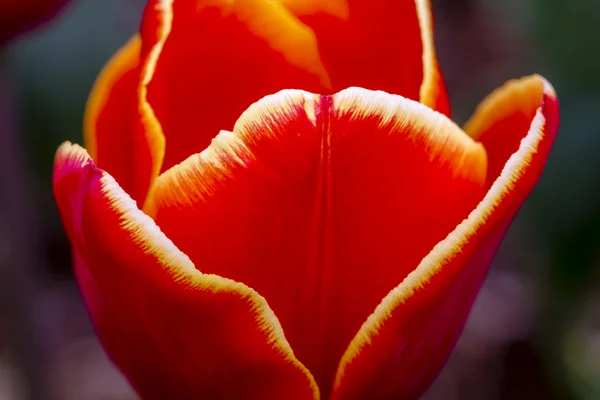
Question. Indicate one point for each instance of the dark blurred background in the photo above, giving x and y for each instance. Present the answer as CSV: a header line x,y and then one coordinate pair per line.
x,y
534,332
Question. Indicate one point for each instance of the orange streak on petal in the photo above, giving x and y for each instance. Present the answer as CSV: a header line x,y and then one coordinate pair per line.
x,y
337,8
111,121
433,89
234,53
379,45
156,26
401,347
281,30
174,332
124,61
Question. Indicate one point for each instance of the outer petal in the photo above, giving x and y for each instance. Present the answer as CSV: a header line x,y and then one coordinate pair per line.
x,y
175,332
432,92
206,61
112,126
322,204
501,119
380,45
402,346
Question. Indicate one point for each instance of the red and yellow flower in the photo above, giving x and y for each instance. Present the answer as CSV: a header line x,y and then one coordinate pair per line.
x,y
236,236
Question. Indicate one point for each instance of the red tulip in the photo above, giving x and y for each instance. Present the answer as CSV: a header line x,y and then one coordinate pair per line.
x,y
19,15
312,246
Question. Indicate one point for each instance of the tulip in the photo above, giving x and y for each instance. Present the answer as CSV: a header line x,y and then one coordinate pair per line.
x,y
237,236
20,15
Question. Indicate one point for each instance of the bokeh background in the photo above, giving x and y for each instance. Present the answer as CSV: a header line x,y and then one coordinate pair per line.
x,y
534,332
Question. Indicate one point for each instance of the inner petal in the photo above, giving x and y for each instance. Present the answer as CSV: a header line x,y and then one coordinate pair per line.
x,y
322,204
379,45
219,58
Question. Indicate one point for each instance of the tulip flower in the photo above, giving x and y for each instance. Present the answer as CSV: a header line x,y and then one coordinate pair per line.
x,y
19,15
274,203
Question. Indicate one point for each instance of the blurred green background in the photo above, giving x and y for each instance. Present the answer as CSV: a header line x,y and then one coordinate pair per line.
x,y
534,332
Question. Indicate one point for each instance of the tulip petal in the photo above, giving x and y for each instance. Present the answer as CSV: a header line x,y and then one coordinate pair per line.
x,y
225,55
379,45
322,204
175,332
402,346
501,119
112,130
432,92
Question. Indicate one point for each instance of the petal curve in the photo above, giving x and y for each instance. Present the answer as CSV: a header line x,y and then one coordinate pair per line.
x,y
379,45
235,53
307,197
501,118
111,127
175,332
412,332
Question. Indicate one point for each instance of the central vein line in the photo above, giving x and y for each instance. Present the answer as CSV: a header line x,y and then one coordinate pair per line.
x,y
323,250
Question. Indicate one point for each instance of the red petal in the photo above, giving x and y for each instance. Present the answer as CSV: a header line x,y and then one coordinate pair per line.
x,y
112,129
206,61
402,346
322,204
501,120
380,45
174,332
